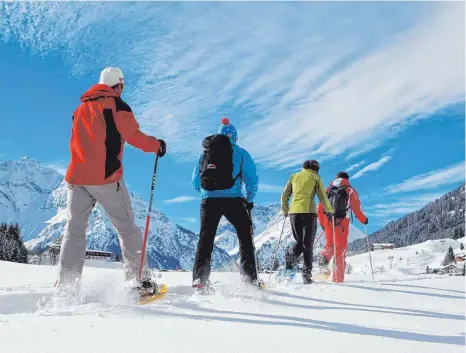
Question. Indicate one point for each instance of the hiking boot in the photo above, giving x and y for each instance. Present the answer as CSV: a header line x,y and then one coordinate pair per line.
x,y
307,280
307,277
203,288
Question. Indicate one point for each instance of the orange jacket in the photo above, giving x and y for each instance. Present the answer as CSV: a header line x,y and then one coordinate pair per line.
x,y
353,202
102,124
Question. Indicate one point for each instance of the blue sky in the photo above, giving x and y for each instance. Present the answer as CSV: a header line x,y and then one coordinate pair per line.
x,y
374,88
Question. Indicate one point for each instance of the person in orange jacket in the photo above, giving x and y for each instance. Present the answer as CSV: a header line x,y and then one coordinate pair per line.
x,y
343,198
101,126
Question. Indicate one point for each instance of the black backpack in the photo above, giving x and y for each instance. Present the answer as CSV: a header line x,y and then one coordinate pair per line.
x,y
338,198
216,166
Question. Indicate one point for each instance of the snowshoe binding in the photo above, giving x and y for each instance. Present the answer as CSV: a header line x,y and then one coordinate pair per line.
x,y
259,283
150,291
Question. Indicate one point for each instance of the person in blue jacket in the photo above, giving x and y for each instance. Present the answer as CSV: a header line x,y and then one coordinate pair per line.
x,y
219,176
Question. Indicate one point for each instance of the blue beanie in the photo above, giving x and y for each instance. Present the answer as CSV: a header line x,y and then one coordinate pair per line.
x,y
228,130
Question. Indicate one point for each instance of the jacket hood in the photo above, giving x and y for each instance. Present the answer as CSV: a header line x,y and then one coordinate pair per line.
x,y
98,91
340,182
309,171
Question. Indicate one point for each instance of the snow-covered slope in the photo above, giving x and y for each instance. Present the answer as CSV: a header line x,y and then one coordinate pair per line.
x,y
409,260
411,314
39,197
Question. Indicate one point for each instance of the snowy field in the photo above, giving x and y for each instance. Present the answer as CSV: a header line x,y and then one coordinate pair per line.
x,y
402,312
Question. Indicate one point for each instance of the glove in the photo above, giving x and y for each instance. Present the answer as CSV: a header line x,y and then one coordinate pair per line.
x,y
162,149
366,221
249,205
285,214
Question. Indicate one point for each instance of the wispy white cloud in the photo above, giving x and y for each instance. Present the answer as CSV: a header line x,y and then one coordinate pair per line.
x,y
372,167
431,180
368,80
263,187
354,166
402,206
373,97
181,199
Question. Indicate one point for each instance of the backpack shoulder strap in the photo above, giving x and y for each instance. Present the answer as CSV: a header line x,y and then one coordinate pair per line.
x,y
240,174
201,161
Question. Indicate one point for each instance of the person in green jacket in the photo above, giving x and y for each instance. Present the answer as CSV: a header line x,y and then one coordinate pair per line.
x,y
304,185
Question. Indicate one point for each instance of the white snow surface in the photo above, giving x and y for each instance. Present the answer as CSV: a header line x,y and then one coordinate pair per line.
x,y
402,312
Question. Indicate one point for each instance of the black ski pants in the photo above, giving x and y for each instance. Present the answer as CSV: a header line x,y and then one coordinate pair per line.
x,y
212,210
304,226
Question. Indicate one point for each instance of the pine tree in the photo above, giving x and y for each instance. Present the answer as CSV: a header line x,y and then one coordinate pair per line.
x,y
449,257
2,240
9,249
451,254
461,246
11,244
427,269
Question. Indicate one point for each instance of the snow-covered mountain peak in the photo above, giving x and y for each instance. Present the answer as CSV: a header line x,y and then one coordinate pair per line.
x,y
30,174
35,197
28,160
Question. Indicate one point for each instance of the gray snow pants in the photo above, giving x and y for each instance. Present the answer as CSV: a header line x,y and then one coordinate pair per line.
x,y
116,202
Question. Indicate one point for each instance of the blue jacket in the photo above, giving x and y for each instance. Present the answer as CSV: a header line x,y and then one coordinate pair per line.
x,y
248,177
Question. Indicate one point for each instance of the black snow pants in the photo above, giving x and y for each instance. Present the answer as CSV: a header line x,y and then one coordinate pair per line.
x,y
304,226
212,210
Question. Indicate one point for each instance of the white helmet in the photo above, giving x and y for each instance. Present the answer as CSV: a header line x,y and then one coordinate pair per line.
x,y
111,76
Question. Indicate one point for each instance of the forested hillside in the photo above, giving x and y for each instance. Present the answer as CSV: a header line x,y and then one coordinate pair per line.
x,y
442,218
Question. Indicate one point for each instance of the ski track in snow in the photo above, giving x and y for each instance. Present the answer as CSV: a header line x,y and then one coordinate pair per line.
x,y
409,313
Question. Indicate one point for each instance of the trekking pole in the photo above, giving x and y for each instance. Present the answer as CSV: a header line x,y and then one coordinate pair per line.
x,y
251,230
146,230
369,251
276,248
318,238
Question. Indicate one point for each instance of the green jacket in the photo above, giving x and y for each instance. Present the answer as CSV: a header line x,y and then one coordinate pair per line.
x,y
304,185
